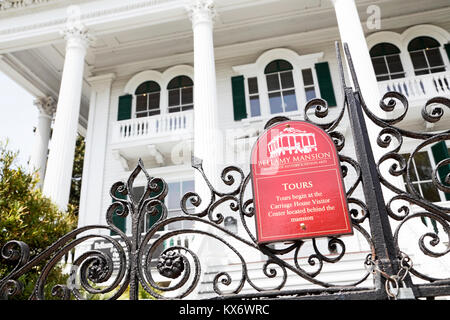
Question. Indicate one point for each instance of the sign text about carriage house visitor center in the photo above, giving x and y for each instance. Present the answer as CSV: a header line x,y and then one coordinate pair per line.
x,y
297,184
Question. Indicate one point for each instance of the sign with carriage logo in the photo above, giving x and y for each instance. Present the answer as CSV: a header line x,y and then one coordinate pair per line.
x,y
297,184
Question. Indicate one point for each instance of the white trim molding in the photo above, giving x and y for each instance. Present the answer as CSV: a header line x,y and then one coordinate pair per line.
x,y
162,79
401,41
256,69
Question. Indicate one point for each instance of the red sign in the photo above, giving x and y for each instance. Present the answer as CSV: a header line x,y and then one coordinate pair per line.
x,y
297,184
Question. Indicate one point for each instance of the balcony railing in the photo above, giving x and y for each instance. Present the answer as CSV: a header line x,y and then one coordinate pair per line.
x,y
419,87
154,126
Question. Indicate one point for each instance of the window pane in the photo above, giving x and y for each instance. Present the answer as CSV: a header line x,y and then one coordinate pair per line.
x,y
180,81
289,100
420,43
173,196
307,77
255,109
383,49
397,75
188,107
423,166
271,67
382,78
252,85
442,69
412,169
153,113
141,103
421,72
188,186
141,114
310,93
430,192
434,57
153,101
379,65
174,97
418,60
272,82
277,66
148,86
187,95
394,64
174,109
275,102
286,80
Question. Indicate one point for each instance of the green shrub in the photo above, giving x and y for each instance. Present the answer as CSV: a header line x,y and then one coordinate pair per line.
x,y
28,216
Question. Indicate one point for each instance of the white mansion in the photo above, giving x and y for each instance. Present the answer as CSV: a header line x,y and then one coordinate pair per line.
x,y
161,80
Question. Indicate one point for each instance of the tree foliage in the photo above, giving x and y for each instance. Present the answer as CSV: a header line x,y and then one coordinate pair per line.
x,y
27,215
77,171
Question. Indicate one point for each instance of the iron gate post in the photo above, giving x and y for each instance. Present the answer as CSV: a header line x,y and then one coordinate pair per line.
x,y
380,228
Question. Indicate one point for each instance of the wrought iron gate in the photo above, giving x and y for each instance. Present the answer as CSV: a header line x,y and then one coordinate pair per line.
x,y
391,268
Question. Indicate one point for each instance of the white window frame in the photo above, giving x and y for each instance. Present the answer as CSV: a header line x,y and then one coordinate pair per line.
x,y
433,166
256,70
401,41
390,74
162,78
428,68
180,92
282,90
134,105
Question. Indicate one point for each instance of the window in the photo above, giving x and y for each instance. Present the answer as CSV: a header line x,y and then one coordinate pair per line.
x,y
386,62
308,83
420,171
150,220
147,99
172,202
253,93
180,90
280,87
425,55
176,191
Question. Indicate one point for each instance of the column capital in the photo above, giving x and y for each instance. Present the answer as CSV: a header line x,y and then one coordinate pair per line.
x,y
74,31
201,11
46,106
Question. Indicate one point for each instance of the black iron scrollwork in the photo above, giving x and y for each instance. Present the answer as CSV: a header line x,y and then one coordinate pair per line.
x,y
95,273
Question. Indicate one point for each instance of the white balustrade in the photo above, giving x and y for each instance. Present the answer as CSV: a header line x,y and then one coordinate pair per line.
x,y
419,87
154,126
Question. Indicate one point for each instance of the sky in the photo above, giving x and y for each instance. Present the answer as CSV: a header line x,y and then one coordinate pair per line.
x,y
18,117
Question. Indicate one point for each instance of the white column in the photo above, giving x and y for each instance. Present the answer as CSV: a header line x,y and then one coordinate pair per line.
x,y
207,143
92,193
206,137
351,32
60,162
38,160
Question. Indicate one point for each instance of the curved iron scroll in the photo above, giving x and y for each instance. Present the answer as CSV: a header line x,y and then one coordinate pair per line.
x,y
94,273
406,204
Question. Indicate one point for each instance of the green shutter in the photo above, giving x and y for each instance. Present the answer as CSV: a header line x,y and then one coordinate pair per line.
x,y
238,89
325,83
119,222
447,49
124,111
440,152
